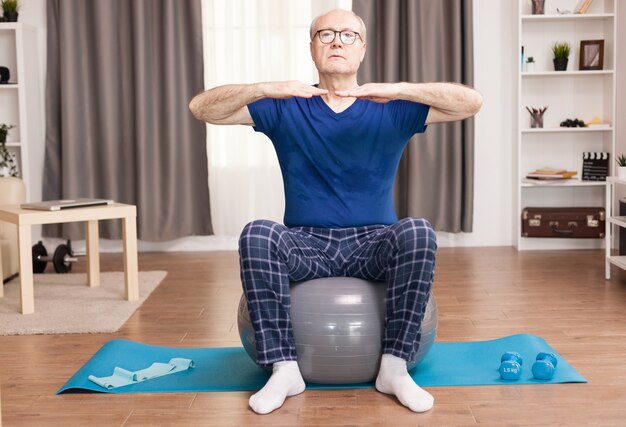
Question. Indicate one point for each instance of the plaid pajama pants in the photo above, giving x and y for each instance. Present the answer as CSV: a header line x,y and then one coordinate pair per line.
x,y
272,255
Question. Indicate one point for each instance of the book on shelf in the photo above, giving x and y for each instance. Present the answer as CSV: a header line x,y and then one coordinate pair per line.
x,y
595,165
550,174
549,171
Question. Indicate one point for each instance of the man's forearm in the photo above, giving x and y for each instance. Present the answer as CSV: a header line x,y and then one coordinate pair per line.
x,y
217,104
448,101
451,99
225,105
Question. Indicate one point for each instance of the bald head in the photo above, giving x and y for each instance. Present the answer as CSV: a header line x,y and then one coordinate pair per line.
x,y
360,25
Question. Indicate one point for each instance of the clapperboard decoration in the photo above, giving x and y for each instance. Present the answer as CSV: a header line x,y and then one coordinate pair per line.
x,y
595,166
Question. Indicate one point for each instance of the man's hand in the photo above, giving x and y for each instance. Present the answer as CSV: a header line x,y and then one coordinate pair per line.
x,y
377,92
281,90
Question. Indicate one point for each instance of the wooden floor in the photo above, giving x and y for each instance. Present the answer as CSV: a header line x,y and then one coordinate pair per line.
x,y
482,293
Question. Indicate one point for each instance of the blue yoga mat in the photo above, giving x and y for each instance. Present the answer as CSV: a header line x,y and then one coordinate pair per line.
x,y
230,368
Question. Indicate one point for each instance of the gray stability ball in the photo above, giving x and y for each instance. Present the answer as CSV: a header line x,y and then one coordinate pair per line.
x,y
338,325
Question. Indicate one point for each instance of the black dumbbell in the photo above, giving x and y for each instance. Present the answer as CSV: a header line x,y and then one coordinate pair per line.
x,y
62,258
511,366
39,254
544,366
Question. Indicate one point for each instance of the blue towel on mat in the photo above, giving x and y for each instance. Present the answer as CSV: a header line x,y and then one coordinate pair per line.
x,y
230,368
121,377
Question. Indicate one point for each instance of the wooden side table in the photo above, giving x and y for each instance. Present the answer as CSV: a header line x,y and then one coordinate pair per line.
x,y
25,218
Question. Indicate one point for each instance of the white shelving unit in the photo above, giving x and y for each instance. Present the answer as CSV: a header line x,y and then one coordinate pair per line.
x,y
20,99
570,94
611,220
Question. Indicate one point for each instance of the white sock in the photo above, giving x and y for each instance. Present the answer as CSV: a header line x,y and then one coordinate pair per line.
x,y
286,380
393,378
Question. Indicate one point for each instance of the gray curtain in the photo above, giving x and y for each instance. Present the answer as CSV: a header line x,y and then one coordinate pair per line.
x,y
120,75
425,41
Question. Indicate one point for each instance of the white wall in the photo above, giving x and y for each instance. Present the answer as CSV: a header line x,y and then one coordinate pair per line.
x,y
33,12
495,56
620,107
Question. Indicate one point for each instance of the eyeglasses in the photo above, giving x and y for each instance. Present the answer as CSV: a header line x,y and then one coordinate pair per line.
x,y
346,36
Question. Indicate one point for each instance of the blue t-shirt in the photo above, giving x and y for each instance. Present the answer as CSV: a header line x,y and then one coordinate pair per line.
x,y
338,168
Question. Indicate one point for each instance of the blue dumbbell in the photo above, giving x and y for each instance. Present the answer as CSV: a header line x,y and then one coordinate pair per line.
x,y
544,366
510,370
512,355
511,366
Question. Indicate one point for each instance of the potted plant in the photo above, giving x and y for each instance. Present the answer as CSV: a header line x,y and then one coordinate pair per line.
x,y
621,170
10,9
8,163
561,55
530,64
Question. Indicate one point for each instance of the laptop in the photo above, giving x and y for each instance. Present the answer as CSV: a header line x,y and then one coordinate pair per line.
x,y
57,205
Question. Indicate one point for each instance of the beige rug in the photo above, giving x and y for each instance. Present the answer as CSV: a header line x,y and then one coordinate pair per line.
x,y
64,304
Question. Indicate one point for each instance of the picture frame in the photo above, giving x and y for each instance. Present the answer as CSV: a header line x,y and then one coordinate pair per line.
x,y
591,55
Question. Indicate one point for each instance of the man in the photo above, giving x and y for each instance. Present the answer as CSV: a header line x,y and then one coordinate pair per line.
x,y
338,145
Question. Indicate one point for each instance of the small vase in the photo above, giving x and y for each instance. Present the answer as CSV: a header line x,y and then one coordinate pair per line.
x,y
10,16
530,67
536,121
538,7
621,173
560,64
